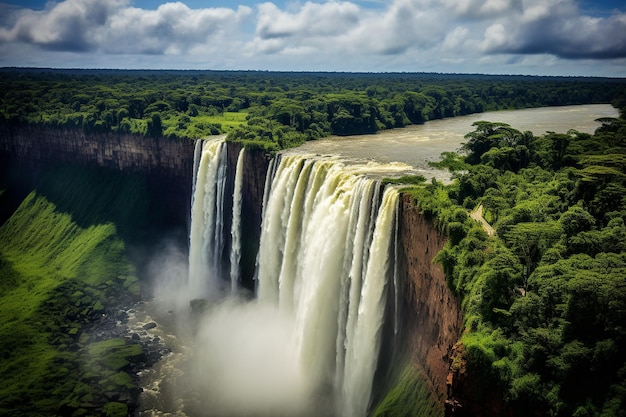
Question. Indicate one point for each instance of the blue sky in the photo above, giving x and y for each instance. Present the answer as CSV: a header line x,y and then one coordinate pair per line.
x,y
535,37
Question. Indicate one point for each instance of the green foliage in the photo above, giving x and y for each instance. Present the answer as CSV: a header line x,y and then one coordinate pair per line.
x,y
114,355
544,301
114,409
60,271
406,180
451,161
409,396
196,104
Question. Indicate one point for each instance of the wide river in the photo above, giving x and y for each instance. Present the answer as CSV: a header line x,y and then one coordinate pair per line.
x,y
418,144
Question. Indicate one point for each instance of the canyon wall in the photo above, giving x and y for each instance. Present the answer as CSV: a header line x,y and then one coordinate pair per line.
x,y
256,164
430,313
430,319
167,164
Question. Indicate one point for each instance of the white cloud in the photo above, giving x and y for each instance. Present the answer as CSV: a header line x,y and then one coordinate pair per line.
x,y
557,27
456,39
345,28
481,8
400,35
171,28
112,26
312,19
312,26
64,26
495,37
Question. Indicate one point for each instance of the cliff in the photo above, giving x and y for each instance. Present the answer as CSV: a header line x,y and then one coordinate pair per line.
x,y
430,313
166,163
256,164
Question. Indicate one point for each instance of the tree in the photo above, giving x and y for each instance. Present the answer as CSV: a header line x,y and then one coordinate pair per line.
x,y
488,135
575,220
155,126
502,274
529,241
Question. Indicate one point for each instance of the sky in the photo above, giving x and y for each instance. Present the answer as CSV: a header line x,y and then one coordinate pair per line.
x,y
530,37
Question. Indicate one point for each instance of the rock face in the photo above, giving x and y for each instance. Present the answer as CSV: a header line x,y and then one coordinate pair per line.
x,y
468,395
430,314
166,163
256,165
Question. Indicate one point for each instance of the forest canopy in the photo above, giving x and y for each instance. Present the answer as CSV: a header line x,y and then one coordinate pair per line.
x,y
273,110
544,300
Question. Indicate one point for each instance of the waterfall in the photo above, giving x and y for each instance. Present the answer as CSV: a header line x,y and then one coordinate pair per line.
x,y
206,242
326,258
326,243
235,251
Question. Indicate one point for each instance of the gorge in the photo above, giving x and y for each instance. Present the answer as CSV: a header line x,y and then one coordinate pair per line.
x,y
330,270
170,176
422,316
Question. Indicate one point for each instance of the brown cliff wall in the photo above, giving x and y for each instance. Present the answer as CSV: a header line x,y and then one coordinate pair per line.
x,y
431,317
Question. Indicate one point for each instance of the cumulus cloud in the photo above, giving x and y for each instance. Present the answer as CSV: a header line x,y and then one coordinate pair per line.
x,y
481,8
337,27
113,26
62,26
418,35
310,26
559,28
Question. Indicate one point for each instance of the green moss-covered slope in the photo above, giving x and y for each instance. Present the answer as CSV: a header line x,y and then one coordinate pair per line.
x,y
409,396
63,265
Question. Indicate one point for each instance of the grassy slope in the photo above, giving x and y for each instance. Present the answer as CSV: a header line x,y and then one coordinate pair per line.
x,y
58,272
409,396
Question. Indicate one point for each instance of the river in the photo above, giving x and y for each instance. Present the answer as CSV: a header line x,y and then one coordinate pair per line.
x,y
416,145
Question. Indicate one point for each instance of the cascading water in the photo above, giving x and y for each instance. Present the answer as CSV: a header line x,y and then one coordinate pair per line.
x,y
326,260
206,241
324,257
235,251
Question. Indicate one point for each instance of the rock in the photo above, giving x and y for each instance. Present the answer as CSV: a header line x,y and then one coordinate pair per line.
x,y
149,326
430,314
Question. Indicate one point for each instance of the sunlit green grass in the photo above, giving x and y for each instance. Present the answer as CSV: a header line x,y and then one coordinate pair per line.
x,y
202,125
410,396
58,272
229,120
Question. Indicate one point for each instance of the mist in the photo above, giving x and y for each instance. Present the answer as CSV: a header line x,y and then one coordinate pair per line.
x,y
241,357
246,360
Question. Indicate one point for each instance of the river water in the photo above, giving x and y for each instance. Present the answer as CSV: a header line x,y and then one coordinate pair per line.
x,y
418,144
177,385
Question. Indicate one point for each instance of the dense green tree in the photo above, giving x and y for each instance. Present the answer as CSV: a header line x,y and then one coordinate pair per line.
x,y
155,126
316,104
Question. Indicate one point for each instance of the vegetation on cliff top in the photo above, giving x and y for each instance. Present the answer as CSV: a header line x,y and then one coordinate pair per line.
x,y
544,300
64,268
271,110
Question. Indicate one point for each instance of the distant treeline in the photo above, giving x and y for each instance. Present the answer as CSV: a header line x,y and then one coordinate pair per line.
x,y
273,109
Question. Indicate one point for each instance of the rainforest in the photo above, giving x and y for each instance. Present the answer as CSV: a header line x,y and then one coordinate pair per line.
x,y
98,172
